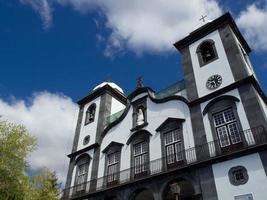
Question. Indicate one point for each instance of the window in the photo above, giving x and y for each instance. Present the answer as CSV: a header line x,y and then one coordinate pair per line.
x,y
81,176
238,175
174,146
140,157
82,166
226,127
90,114
206,52
86,140
244,197
113,167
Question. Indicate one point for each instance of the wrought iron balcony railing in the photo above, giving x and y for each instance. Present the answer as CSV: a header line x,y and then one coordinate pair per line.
x,y
211,150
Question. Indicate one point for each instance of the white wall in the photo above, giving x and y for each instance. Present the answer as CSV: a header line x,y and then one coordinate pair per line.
x,y
240,110
91,154
257,183
156,115
116,106
89,129
220,66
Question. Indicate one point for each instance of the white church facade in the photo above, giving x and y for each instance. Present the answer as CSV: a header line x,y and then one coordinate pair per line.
x,y
202,138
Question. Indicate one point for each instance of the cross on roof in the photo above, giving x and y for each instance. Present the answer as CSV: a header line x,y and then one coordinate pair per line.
x,y
139,81
203,18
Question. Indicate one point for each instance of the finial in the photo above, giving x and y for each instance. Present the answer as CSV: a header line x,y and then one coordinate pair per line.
x,y
139,82
203,18
108,79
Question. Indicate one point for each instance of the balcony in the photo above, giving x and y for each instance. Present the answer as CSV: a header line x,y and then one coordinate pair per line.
x,y
254,137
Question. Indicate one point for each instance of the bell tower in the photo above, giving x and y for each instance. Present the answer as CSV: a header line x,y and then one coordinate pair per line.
x,y
214,56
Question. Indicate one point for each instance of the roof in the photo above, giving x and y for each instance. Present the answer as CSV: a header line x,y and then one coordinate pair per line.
x,y
171,90
210,27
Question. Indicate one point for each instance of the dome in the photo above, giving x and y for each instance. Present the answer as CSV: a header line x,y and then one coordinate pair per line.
x,y
111,84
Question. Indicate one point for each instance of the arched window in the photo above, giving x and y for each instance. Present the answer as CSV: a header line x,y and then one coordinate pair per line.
x,y
113,157
139,153
90,114
224,120
82,166
171,134
206,52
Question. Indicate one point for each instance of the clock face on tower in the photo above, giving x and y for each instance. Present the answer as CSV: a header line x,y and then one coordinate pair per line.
x,y
214,82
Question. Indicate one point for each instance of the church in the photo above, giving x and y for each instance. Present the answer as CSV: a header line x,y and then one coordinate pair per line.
x,y
202,138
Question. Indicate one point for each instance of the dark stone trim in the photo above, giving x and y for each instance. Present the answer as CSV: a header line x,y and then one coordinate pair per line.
x,y
198,127
207,183
220,98
169,98
233,53
112,144
140,91
180,171
254,111
232,179
70,173
84,156
104,112
189,76
99,92
250,79
83,150
210,27
139,127
169,120
126,110
224,90
77,130
128,106
263,156
138,133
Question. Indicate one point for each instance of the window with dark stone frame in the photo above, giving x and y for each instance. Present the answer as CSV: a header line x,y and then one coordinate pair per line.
x,y
113,163
238,175
90,114
206,52
82,166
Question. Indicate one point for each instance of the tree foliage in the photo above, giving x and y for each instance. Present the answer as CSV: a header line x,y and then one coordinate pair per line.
x,y
15,145
43,186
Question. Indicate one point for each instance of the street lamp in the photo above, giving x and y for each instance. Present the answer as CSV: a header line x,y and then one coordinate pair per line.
x,y
175,189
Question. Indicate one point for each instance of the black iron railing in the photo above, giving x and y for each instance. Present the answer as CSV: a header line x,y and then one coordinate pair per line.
x,y
251,138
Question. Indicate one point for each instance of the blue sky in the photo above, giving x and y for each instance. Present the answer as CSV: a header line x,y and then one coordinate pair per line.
x,y
68,58
53,52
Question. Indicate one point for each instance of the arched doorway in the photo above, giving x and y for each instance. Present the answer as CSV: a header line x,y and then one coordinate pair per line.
x,y
143,194
179,190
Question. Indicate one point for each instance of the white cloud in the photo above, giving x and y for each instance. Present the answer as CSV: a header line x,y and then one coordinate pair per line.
x,y
51,118
44,9
150,26
252,21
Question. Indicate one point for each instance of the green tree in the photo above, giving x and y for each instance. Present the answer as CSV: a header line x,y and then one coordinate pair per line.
x,y
43,186
15,145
